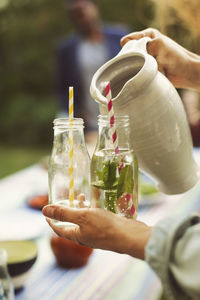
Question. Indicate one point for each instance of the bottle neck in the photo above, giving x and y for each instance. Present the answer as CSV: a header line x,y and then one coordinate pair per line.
x,y
122,127
64,127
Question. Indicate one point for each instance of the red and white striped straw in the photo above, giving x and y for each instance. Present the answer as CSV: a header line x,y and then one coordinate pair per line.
x,y
111,117
114,134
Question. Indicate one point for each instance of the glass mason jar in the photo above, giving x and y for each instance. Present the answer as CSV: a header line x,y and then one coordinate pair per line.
x,y
114,177
6,287
58,172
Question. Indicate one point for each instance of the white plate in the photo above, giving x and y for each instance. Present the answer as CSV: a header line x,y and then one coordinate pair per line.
x,y
22,224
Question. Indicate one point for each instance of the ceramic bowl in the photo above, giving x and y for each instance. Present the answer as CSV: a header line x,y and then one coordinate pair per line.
x,y
68,254
21,257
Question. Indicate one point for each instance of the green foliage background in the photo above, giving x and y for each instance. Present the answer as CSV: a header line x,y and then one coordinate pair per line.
x,y
29,32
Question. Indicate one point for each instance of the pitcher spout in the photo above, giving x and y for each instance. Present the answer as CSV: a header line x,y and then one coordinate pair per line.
x,y
127,74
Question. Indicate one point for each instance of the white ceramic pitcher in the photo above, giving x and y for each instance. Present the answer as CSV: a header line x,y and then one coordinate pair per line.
x,y
160,133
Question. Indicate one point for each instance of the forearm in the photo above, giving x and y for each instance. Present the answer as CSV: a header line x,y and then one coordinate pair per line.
x,y
137,249
135,239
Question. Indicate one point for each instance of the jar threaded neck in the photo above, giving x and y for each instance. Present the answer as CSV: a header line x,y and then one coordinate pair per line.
x,y
120,120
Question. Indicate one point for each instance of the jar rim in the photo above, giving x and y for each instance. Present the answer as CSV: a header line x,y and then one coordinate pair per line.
x,y
119,119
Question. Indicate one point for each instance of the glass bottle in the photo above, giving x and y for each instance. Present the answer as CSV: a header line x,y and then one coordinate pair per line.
x,y
114,177
58,172
6,287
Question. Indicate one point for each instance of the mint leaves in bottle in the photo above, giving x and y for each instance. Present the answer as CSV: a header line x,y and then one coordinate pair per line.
x,y
114,177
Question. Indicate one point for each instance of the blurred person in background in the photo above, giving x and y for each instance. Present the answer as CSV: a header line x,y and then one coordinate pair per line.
x,y
81,54
181,21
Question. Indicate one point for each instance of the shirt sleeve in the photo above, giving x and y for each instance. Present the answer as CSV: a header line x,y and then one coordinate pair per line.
x,y
173,252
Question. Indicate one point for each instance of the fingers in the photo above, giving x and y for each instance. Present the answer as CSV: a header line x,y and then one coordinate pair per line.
x,y
153,47
64,214
68,232
149,32
81,197
131,36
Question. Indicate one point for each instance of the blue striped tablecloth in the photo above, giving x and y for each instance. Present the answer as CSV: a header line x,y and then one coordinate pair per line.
x,y
108,275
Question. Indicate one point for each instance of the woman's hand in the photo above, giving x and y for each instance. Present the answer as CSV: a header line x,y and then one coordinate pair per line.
x,y
102,229
179,65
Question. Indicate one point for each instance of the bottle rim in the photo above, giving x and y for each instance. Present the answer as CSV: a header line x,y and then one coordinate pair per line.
x,y
66,123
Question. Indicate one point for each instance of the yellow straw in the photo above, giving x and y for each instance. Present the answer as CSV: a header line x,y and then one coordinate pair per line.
x,y
71,148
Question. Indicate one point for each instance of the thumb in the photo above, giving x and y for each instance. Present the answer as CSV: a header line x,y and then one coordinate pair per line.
x,y
62,213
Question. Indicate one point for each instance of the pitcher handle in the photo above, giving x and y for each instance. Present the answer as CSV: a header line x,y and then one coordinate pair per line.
x,y
139,46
